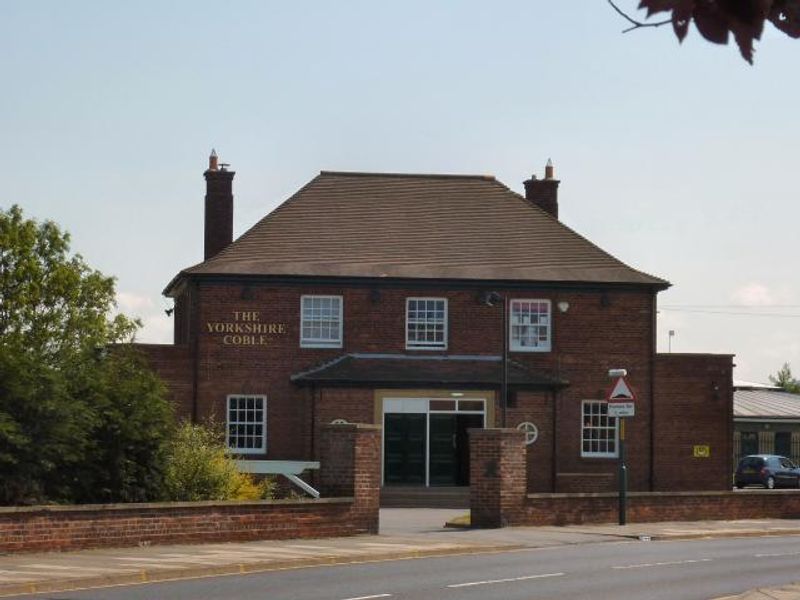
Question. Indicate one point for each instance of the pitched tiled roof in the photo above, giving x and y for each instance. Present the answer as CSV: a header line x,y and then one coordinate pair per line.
x,y
467,227
765,404
385,369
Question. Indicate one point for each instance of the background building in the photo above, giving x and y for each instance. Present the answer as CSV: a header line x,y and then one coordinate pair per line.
x,y
766,421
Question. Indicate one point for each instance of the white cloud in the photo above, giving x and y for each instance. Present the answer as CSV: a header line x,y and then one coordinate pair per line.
x,y
157,327
753,294
128,302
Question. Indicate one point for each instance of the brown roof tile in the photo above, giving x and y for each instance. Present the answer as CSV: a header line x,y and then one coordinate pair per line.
x,y
469,227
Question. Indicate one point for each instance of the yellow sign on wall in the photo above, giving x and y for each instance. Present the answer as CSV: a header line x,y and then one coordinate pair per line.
x,y
702,451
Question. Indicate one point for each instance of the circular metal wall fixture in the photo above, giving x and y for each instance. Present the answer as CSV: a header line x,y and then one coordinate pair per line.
x,y
531,431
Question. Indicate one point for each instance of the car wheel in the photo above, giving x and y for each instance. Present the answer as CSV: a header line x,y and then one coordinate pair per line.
x,y
770,484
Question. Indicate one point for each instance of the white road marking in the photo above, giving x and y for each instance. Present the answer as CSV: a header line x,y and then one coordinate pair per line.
x,y
509,579
664,564
777,554
368,597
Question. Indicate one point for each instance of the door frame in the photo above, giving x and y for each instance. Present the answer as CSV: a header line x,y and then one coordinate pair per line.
x,y
394,403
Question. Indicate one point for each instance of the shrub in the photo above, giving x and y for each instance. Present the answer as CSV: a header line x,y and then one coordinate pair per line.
x,y
200,467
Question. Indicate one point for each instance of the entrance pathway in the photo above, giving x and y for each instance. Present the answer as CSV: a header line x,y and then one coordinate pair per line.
x,y
405,533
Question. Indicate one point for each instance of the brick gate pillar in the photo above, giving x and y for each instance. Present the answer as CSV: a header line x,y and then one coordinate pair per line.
x,y
497,475
350,466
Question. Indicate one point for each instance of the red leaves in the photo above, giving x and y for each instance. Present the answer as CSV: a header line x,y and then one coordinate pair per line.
x,y
717,19
785,15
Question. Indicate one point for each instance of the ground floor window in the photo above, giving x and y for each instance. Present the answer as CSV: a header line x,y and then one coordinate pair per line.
x,y
247,424
598,430
749,441
783,443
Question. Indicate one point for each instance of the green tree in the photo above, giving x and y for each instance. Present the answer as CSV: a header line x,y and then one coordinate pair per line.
x,y
82,418
784,379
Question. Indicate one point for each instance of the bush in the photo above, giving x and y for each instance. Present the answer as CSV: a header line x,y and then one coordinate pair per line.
x,y
200,467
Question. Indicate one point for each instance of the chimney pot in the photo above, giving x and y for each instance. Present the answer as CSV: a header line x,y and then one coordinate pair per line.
x,y
543,193
218,208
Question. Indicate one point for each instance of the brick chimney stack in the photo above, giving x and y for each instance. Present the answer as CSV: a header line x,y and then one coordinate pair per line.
x,y
544,192
219,207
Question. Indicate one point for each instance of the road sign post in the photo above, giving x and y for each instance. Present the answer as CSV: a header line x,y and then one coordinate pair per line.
x,y
621,404
623,475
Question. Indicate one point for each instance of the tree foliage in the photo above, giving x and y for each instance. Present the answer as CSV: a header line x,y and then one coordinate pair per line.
x,y
718,20
82,418
784,379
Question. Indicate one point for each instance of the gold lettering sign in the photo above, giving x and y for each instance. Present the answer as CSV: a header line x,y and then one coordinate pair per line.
x,y
246,329
702,451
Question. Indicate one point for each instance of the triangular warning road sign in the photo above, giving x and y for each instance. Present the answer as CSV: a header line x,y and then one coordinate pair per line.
x,y
621,392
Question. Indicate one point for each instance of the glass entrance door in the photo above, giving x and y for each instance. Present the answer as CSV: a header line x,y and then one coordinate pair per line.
x,y
404,449
444,450
426,440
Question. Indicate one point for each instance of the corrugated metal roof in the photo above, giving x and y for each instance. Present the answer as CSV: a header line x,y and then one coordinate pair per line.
x,y
765,404
468,227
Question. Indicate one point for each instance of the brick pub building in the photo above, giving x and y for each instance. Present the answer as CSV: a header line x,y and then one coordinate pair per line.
x,y
432,304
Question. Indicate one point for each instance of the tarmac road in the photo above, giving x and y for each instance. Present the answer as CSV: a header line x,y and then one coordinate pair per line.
x,y
700,569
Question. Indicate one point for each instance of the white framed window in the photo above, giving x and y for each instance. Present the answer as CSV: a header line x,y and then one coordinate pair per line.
x,y
599,436
247,424
321,321
426,323
529,326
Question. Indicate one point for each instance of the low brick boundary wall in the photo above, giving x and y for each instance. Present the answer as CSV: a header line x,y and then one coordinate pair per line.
x,y
54,528
498,495
350,470
643,507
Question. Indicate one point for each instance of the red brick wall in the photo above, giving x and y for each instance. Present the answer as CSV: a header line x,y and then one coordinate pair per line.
x,y
350,467
574,509
694,406
497,476
354,405
57,528
601,330
537,408
350,456
498,497
173,364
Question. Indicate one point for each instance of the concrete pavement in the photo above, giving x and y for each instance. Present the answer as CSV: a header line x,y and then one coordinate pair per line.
x,y
405,534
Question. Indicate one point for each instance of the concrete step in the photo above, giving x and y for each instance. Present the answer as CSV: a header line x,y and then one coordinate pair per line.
x,y
424,497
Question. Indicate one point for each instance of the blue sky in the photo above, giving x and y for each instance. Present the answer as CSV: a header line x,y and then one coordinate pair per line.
x,y
678,159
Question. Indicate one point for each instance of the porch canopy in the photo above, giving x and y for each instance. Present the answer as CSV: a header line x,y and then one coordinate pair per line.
x,y
374,369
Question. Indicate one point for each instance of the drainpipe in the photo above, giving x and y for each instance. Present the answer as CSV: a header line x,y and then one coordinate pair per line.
x,y
504,383
195,320
653,334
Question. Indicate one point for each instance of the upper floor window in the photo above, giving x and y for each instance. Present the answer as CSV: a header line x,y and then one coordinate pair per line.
x,y
426,323
321,321
598,430
530,326
247,424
